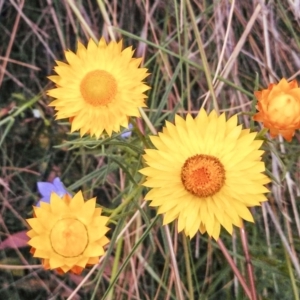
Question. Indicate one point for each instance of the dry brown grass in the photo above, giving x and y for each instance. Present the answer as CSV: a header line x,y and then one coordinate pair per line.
x,y
246,44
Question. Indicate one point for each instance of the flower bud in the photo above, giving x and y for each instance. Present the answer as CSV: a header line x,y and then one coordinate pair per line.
x,y
279,108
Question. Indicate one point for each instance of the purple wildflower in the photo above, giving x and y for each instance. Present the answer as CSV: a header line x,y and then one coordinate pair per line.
x,y
127,132
46,188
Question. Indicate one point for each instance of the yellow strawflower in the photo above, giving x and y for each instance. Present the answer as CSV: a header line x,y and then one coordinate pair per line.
x,y
205,172
68,233
99,88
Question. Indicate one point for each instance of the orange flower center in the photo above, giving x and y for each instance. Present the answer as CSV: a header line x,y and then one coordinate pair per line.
x,y
203,175
98,88
69,237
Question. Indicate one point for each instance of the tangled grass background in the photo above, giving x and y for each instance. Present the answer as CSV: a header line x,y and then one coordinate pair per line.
x,y
247,44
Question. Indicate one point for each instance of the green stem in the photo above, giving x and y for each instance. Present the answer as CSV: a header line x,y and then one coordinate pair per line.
x,y
147,121
292,276
145,234
19,110
188,267
125,202
203,56
106,19
115,266
81,19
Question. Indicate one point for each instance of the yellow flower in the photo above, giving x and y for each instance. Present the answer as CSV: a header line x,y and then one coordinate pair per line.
x,y
68,233
99,88
205,172
279,108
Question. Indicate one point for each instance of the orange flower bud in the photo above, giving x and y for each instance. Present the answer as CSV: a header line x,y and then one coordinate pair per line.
x,y
279,108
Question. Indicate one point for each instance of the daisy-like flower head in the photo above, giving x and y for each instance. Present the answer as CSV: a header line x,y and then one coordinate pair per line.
x,y
205,172
279,108
68,233
100,87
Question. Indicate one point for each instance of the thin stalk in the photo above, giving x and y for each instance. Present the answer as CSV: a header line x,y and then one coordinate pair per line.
x,y
234,268
174,264
106,19
292,276
283,239
188,267
147,121
127,259
120,235
81,19
11,42
203,56
127,200
248,262
20,110
115,266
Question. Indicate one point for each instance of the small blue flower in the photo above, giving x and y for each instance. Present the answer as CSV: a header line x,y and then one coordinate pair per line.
x,y
127,132
46,188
